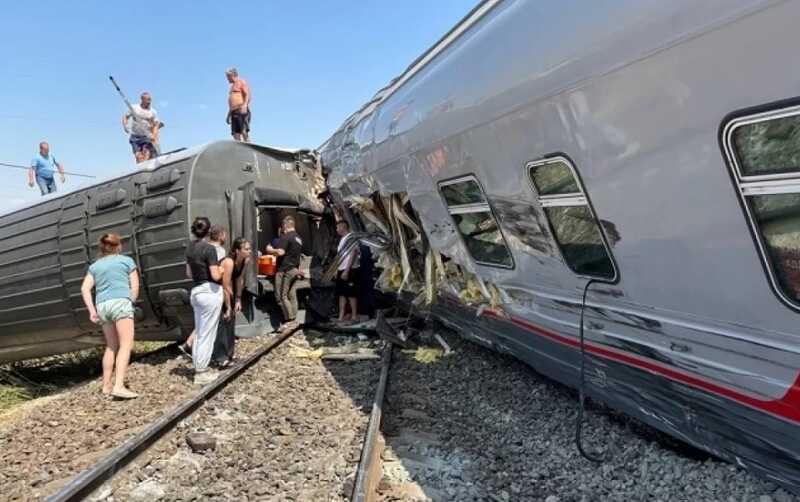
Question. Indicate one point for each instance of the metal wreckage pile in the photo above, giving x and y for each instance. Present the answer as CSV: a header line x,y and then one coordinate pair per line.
x,y
410,265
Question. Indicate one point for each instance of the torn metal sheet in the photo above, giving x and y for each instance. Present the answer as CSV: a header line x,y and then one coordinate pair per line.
x,y
691,338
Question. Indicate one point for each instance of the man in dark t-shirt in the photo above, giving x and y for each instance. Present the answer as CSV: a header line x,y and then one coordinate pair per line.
x,y
289,250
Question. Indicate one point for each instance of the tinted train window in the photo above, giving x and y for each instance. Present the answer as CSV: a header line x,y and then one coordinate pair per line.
x,y
463,192
768,146
476,222
764,152
571,219
554,178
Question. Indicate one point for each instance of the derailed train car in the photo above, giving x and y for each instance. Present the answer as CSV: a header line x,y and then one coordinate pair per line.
x,y
613,184
45,248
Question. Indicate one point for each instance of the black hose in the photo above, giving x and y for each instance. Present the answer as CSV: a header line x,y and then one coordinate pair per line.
x,y
581,387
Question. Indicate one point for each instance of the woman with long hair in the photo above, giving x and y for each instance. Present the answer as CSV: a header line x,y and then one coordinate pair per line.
x,y
202,267
233,285
216,236
116,282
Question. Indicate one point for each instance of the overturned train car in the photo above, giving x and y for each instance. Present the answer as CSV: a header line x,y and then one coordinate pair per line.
x,y
45,248
638,174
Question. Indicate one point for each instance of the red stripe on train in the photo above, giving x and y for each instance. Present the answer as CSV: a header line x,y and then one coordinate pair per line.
x,y
787,407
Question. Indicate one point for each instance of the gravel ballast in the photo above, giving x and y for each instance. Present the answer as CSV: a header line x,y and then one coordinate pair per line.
x,y
477,425
48,441
474,425
289,428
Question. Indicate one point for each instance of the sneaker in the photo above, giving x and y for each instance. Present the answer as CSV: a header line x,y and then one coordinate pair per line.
x,y
205,377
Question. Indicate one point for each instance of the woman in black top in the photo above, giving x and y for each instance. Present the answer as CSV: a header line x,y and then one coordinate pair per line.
x,y
233,284
202,266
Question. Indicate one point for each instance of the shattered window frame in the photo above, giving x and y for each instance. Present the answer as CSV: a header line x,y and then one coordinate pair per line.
x,y
775,183
472,208
572,199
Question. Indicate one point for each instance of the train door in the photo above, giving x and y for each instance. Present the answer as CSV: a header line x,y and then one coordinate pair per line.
x,y
243,222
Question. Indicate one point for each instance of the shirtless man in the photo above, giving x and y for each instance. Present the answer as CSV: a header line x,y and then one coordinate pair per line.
x,y
238,106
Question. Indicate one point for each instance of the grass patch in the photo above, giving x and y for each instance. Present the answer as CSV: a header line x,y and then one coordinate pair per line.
x,y
11,396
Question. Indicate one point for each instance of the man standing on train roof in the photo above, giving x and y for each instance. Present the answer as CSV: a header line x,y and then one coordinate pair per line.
x,y
238,106
43,167
144,130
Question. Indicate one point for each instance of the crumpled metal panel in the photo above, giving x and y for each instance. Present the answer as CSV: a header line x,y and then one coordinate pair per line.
x,y
691,339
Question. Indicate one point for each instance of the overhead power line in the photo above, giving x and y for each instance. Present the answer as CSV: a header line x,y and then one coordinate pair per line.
x,y
17,166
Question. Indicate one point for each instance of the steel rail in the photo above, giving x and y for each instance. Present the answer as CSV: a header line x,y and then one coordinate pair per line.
x,y
369,473
88,480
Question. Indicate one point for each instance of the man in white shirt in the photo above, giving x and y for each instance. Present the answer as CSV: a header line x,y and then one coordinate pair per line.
x,y
144,129
347,275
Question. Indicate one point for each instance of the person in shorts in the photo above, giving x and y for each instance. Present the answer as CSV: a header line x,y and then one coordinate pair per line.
x,y
143,129
347,275
114,278
238,106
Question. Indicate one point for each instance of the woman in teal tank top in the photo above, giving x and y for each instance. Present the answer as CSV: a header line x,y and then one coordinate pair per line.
x,y
114,278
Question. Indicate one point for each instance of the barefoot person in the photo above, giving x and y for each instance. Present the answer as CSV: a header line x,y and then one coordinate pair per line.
x,y
238,106
347,275
233,284
116,282
202,267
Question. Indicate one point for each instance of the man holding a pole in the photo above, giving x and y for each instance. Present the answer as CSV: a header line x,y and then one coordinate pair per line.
x,y
43,168
144,130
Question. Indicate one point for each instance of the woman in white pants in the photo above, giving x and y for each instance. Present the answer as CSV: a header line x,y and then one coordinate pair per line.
x,y
202,266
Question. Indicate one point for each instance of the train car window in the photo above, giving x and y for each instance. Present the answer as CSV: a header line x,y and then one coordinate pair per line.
x,y
475,222
571,218
768,146
763,152
554,178
463,192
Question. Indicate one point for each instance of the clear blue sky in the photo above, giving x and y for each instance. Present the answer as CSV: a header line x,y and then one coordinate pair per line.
x,y
309,63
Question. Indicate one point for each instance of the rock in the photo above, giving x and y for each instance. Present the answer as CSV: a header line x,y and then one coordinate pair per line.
x,y
201,441
183,459
103,492
765,498
551,498
349,485
415,414
147,491
40,479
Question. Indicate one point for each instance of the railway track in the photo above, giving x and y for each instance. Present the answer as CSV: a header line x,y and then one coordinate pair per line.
x,y
370,470
91,478
471,426
122,467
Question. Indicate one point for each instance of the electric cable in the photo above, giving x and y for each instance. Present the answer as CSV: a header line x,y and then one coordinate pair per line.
x,y
17,166
582,384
